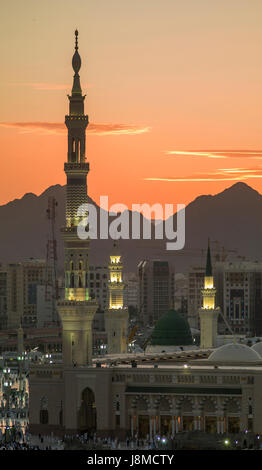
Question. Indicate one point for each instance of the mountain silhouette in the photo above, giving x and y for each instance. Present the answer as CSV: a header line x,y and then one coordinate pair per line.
x,y
231,218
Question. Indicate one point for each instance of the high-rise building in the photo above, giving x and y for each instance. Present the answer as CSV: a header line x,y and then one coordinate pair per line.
x,y
156,289
78,309
131,289
44,308
240,295
196,278
18,292
97,284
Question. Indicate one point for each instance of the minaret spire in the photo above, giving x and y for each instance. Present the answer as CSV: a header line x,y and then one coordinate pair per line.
x,y
76,64
76,310
208,262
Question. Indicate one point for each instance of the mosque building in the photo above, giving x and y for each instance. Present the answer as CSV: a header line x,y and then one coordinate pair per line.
x,y
173,386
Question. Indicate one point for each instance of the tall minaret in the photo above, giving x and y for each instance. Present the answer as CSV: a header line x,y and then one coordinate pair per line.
x,y
76,168
208,312
116,317
76,311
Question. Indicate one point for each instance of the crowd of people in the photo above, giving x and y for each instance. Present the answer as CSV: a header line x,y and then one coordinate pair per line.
x,y
29,442
76,441
92,441
18,446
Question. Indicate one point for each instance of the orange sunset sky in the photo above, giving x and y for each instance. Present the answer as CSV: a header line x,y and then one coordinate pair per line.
x,y
174,96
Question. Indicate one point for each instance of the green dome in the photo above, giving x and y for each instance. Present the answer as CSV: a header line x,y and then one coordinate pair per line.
x,y
172,330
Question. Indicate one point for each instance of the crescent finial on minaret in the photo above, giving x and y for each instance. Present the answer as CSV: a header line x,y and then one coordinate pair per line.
x,y
76,40
76,60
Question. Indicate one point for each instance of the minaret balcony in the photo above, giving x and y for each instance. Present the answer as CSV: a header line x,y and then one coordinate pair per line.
x,y
76,121
115,268
78,167
209,292
71,229
76,117
82,303
117,308
116,285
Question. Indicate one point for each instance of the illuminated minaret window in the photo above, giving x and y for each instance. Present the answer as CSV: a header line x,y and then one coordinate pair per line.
x,y
77,310
116,317
208,312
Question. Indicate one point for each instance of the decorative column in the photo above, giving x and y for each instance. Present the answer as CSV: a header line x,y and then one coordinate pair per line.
x,y
150,427
195,423
135,423
173,426
224,424
200,423
154,425
177,425
20,341
219,425
132,425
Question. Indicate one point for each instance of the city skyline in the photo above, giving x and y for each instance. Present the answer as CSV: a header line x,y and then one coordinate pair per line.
x,y
173,97
147,352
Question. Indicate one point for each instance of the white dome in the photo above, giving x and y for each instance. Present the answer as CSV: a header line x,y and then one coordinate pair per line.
x,y
234,353
258,348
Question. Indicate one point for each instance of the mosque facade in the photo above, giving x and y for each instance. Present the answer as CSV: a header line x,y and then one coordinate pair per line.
x,y
214,391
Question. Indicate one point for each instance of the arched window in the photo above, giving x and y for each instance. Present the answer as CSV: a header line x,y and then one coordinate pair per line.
x,y
78,150
87,412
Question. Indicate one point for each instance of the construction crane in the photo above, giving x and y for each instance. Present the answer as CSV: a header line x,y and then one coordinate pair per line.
x,y
51,281
221,253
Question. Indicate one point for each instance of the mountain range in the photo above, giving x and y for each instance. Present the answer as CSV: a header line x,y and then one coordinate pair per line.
x,y
231,219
